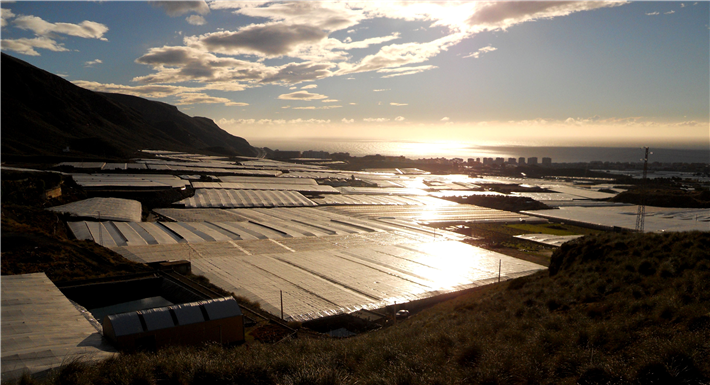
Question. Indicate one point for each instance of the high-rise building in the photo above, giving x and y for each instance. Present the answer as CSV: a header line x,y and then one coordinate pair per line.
x,y
547,162
532,161
512,161
521,160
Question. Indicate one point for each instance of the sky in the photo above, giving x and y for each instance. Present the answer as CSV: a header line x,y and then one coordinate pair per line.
x,y
515,73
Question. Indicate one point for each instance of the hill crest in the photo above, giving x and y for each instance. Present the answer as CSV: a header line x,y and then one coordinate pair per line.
x,y
44,114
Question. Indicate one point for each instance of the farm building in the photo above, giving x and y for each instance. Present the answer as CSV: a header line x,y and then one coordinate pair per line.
x,y
218,320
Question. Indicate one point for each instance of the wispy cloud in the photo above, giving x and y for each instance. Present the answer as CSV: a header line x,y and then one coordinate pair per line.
x,y
302,95
376,120
399,119
652,13
381,90
309,86
316,108
398,104
92,63
480,51
348,121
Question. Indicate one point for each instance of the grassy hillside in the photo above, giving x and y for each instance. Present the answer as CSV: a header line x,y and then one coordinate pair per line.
x,y
614,308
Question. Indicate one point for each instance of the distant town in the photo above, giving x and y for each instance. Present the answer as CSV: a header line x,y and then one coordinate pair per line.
x,y
486,165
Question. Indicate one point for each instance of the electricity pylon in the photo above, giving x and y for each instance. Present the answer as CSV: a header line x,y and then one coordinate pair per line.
x,y
641,214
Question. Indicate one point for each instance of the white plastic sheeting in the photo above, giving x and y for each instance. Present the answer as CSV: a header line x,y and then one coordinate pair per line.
x,y
657,218
280,180
249,224
274,186
342,200
381,191
41,329
112,209
244,198
341,274
433,214
548,239
129,181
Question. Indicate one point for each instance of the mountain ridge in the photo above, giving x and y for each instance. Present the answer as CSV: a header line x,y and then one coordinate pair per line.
x,y
43,114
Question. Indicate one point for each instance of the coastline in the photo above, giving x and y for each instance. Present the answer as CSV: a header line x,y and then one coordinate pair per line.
x,y
463,150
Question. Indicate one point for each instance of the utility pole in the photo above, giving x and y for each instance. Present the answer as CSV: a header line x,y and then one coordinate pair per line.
x,y
641,214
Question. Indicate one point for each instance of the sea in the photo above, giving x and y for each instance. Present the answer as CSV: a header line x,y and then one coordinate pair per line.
x,y
464,150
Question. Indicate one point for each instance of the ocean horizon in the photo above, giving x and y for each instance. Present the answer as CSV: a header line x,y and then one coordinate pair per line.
x,y
464,150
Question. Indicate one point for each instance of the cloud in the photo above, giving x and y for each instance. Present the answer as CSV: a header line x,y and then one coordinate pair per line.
x,y
505,14
316,108
177,8
5,14
377,120
325,15
348,121
669,13
145,91
26,46
299,72
86,29
196,20
183,64
267,40
309,86
478,53
286,106
381,90
652,13
399,104
200,98
92,63
329,100
353,104
185,95
405,70
309,121
399,118
302,95
445,119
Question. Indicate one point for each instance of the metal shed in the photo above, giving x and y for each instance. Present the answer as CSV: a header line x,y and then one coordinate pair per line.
x,y
217,320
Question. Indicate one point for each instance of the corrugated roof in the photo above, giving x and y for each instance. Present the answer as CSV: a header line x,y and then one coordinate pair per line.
x,y
156,319
222,308
125,324
113,209
160,318
244,198
188,313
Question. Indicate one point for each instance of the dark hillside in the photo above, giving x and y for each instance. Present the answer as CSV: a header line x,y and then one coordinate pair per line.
x,y
42,114
614,309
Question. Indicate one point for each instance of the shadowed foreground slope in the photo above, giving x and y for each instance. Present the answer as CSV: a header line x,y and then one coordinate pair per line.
x,y
613,309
